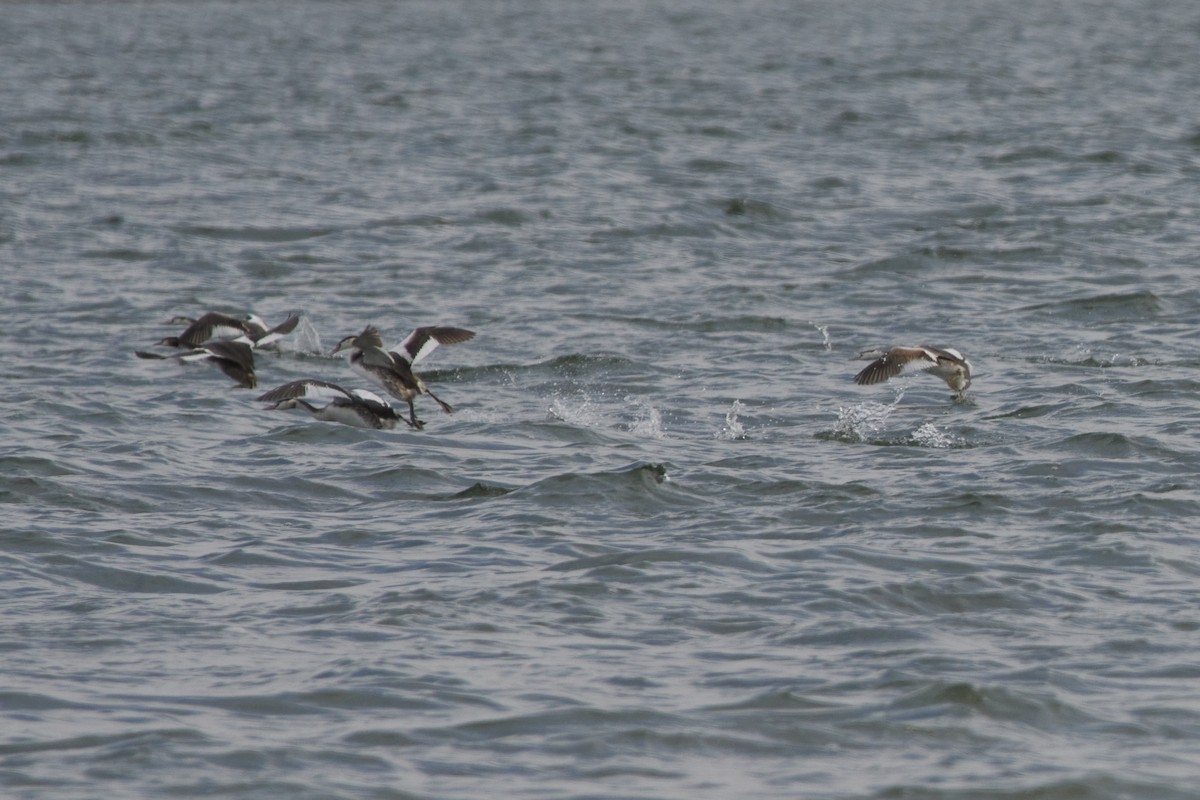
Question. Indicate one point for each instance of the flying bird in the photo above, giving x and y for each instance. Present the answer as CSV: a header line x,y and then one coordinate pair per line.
x,y
250,329
356,407
235,359
948,364
392,369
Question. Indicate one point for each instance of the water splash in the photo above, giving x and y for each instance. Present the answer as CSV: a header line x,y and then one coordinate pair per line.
x,y
304,339
647,422
578,410
864,421
861,422
928,435
826,342
733,428
583,411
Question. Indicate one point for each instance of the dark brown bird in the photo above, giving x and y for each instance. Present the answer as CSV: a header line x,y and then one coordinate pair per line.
x,y
235,359
392,369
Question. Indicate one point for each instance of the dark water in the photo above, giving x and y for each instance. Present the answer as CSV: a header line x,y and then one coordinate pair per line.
x,y
665,548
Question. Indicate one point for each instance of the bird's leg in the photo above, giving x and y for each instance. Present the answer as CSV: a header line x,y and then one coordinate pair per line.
x,y
445,406
413,422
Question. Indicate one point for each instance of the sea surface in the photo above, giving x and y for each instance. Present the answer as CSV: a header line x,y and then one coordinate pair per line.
x,y
665,547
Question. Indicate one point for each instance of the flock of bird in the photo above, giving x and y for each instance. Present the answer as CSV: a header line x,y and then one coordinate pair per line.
x,y
229,343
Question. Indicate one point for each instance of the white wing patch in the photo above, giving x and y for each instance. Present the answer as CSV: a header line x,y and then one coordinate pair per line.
x,y
927,360
363,394
226,332
315,390
417,346
194,355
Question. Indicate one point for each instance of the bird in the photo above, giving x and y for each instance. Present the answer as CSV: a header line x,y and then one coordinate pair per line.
x,y
947,363
250,329
262,334
355,407
392,369
235,359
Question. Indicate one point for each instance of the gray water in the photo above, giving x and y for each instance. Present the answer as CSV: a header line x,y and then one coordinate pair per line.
x,y
665,547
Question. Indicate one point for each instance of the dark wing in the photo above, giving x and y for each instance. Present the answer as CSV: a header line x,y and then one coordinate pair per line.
x,y
374,402
308,388
891,364
235,359
287,326
237,352
212,325
278,332
376,357
423,341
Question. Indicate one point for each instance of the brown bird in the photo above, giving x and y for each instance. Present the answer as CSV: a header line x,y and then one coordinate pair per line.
x,y
948,364
392,369
235,359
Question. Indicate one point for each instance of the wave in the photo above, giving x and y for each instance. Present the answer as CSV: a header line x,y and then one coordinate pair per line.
x,y
1116,306
262,234
636,487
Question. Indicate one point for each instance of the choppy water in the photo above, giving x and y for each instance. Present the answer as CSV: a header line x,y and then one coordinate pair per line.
x,y
666,548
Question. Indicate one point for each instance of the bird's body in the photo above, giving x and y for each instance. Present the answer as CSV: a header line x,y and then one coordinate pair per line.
x,y
392,369
355,407
948,364
235,359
